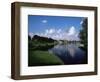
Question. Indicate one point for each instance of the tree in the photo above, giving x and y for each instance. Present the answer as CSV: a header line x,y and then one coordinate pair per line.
x,y
29,38
83,33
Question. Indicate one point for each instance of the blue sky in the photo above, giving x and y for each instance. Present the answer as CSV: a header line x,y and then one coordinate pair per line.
x,y
56,27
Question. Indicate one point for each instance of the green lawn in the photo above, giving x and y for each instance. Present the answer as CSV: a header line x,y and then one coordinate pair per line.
x,y
40,58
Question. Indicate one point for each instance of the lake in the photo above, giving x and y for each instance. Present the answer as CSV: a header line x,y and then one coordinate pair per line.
x,y
69,54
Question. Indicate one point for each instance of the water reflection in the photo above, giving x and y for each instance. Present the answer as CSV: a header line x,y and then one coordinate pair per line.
x,y
69,54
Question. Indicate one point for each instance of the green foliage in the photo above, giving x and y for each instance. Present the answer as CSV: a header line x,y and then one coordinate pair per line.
x,y
40,43
42,39
83,33
36,45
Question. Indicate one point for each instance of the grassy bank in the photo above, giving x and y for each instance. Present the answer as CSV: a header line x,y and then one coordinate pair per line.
x,y
41,58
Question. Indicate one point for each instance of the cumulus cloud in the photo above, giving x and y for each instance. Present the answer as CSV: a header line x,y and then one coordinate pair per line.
x,y
59,31
50,31
59,34
71,31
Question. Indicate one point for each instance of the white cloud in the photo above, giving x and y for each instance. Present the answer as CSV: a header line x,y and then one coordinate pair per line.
x,y
44,21
59,34
59,31
73,34
71,31
50,31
